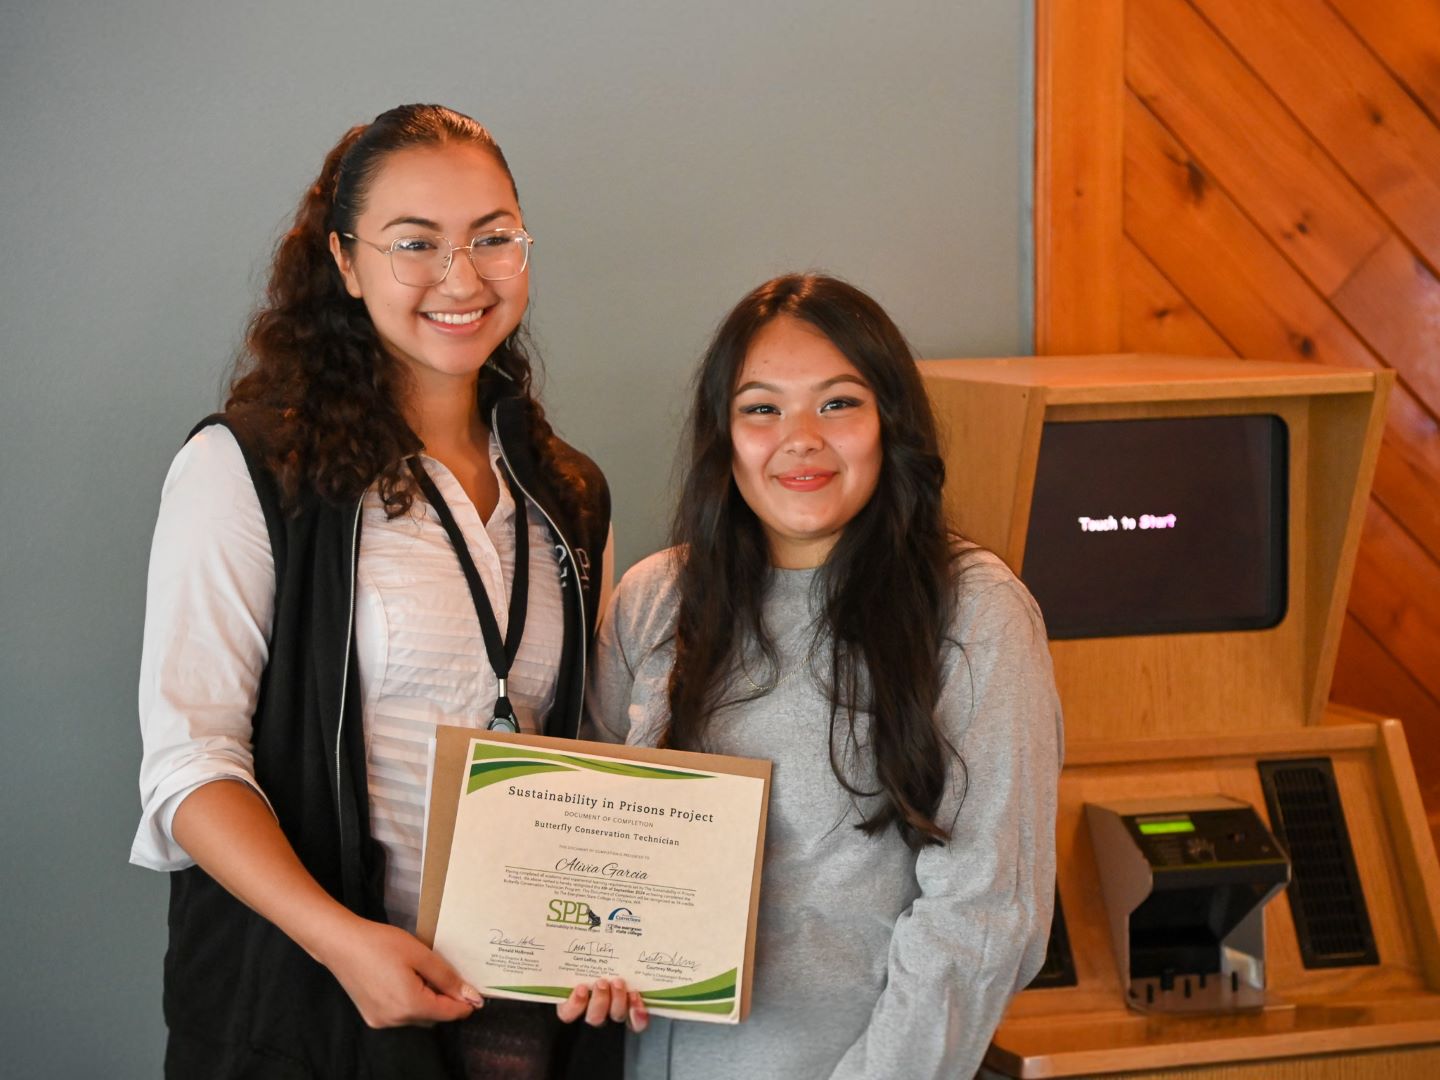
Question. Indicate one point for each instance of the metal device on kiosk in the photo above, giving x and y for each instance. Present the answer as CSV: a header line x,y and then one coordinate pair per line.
x,y
1186,882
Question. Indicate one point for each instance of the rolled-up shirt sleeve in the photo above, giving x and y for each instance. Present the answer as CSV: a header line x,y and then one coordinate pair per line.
x,y
977,931
209,606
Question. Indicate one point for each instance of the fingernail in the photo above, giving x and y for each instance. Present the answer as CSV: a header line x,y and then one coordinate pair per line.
x,y
471,995
582,991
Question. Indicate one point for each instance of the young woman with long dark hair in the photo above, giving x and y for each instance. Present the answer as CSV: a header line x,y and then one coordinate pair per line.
x,y
380,533
815,610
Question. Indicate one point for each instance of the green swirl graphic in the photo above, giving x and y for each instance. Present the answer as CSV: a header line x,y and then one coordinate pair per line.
x,y
714,995
483,774
489,762
718,986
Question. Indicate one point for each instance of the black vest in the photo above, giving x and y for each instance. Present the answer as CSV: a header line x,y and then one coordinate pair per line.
x,y
241,998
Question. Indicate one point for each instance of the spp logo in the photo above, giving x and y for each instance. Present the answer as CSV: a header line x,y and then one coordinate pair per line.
x,y
572,913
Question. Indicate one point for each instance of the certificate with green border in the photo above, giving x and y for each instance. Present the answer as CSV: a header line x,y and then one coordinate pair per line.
x,y
552,862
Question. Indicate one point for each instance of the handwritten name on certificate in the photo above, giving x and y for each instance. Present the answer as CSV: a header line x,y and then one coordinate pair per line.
x,y
552,862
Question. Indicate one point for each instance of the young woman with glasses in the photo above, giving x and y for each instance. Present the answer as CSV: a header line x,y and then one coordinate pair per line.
x,y
817,612
380,533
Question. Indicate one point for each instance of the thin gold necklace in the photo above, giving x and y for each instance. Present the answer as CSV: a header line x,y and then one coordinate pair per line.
x,y
778,680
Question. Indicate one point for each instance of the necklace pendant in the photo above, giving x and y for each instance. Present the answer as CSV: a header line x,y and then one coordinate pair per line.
x,y
504,723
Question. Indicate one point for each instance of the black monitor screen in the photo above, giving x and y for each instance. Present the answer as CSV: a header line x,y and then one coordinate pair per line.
x,y
1159,526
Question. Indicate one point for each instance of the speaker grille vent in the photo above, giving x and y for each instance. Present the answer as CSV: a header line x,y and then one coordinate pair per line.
x,y
1331,919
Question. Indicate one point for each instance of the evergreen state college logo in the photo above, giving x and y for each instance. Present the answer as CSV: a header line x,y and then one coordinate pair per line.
x,y
623,921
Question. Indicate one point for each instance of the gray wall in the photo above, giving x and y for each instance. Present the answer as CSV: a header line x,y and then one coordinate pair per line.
x,y
669,155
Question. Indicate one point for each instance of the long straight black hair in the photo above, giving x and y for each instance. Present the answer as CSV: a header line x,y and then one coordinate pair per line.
x,y
889,582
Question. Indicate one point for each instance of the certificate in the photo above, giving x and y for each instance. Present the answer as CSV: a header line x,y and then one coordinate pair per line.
x,y
552,862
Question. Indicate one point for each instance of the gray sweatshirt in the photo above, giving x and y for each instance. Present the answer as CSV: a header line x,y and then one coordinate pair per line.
x,y
871,960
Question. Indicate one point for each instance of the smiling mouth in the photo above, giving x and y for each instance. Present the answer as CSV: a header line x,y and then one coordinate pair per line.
x,y
451,318
806,481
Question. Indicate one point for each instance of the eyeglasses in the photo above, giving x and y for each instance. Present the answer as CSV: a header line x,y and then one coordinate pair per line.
x,y
425,260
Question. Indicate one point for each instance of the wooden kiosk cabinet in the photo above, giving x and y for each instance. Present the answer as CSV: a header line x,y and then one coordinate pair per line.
x,y
1179,702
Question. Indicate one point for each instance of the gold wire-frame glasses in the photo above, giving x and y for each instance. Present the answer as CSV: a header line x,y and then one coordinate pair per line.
x,y
424,260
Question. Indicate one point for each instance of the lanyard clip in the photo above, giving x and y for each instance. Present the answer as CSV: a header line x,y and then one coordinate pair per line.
x,y
504,711
503,723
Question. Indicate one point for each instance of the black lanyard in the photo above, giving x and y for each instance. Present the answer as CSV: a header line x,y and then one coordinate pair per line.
x,y
501,653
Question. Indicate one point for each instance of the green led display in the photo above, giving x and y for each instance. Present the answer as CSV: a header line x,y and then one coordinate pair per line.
x,y
1170,825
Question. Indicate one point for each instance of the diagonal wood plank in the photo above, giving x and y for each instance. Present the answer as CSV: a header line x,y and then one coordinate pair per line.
x,y
1368,677
1230,122
1408,468
1395,595
1393,301
1219,259
1348,102
1224,267
1405,34
1156,318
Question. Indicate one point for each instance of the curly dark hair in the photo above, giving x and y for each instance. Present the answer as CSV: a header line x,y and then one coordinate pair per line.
x,y
889,582
313,365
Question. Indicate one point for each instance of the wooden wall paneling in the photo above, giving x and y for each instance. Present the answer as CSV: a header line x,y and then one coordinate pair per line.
x,y
1405,35
1219,260
1156,318
1078,93
1348,102
1393,301
1371,678
1391,297
1396,595
1409,467
1229,271
1190,79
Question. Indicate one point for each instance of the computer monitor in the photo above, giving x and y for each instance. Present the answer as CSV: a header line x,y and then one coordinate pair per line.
x,y
1229,613
1159,526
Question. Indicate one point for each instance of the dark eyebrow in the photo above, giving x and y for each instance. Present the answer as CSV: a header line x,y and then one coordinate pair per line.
x,y
426,223
771,388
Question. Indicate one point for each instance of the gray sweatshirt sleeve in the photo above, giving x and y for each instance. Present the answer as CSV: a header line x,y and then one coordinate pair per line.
x,y
609,683
639,619
977,931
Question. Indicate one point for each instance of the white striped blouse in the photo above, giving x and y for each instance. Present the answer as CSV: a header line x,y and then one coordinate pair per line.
x,y
422,659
